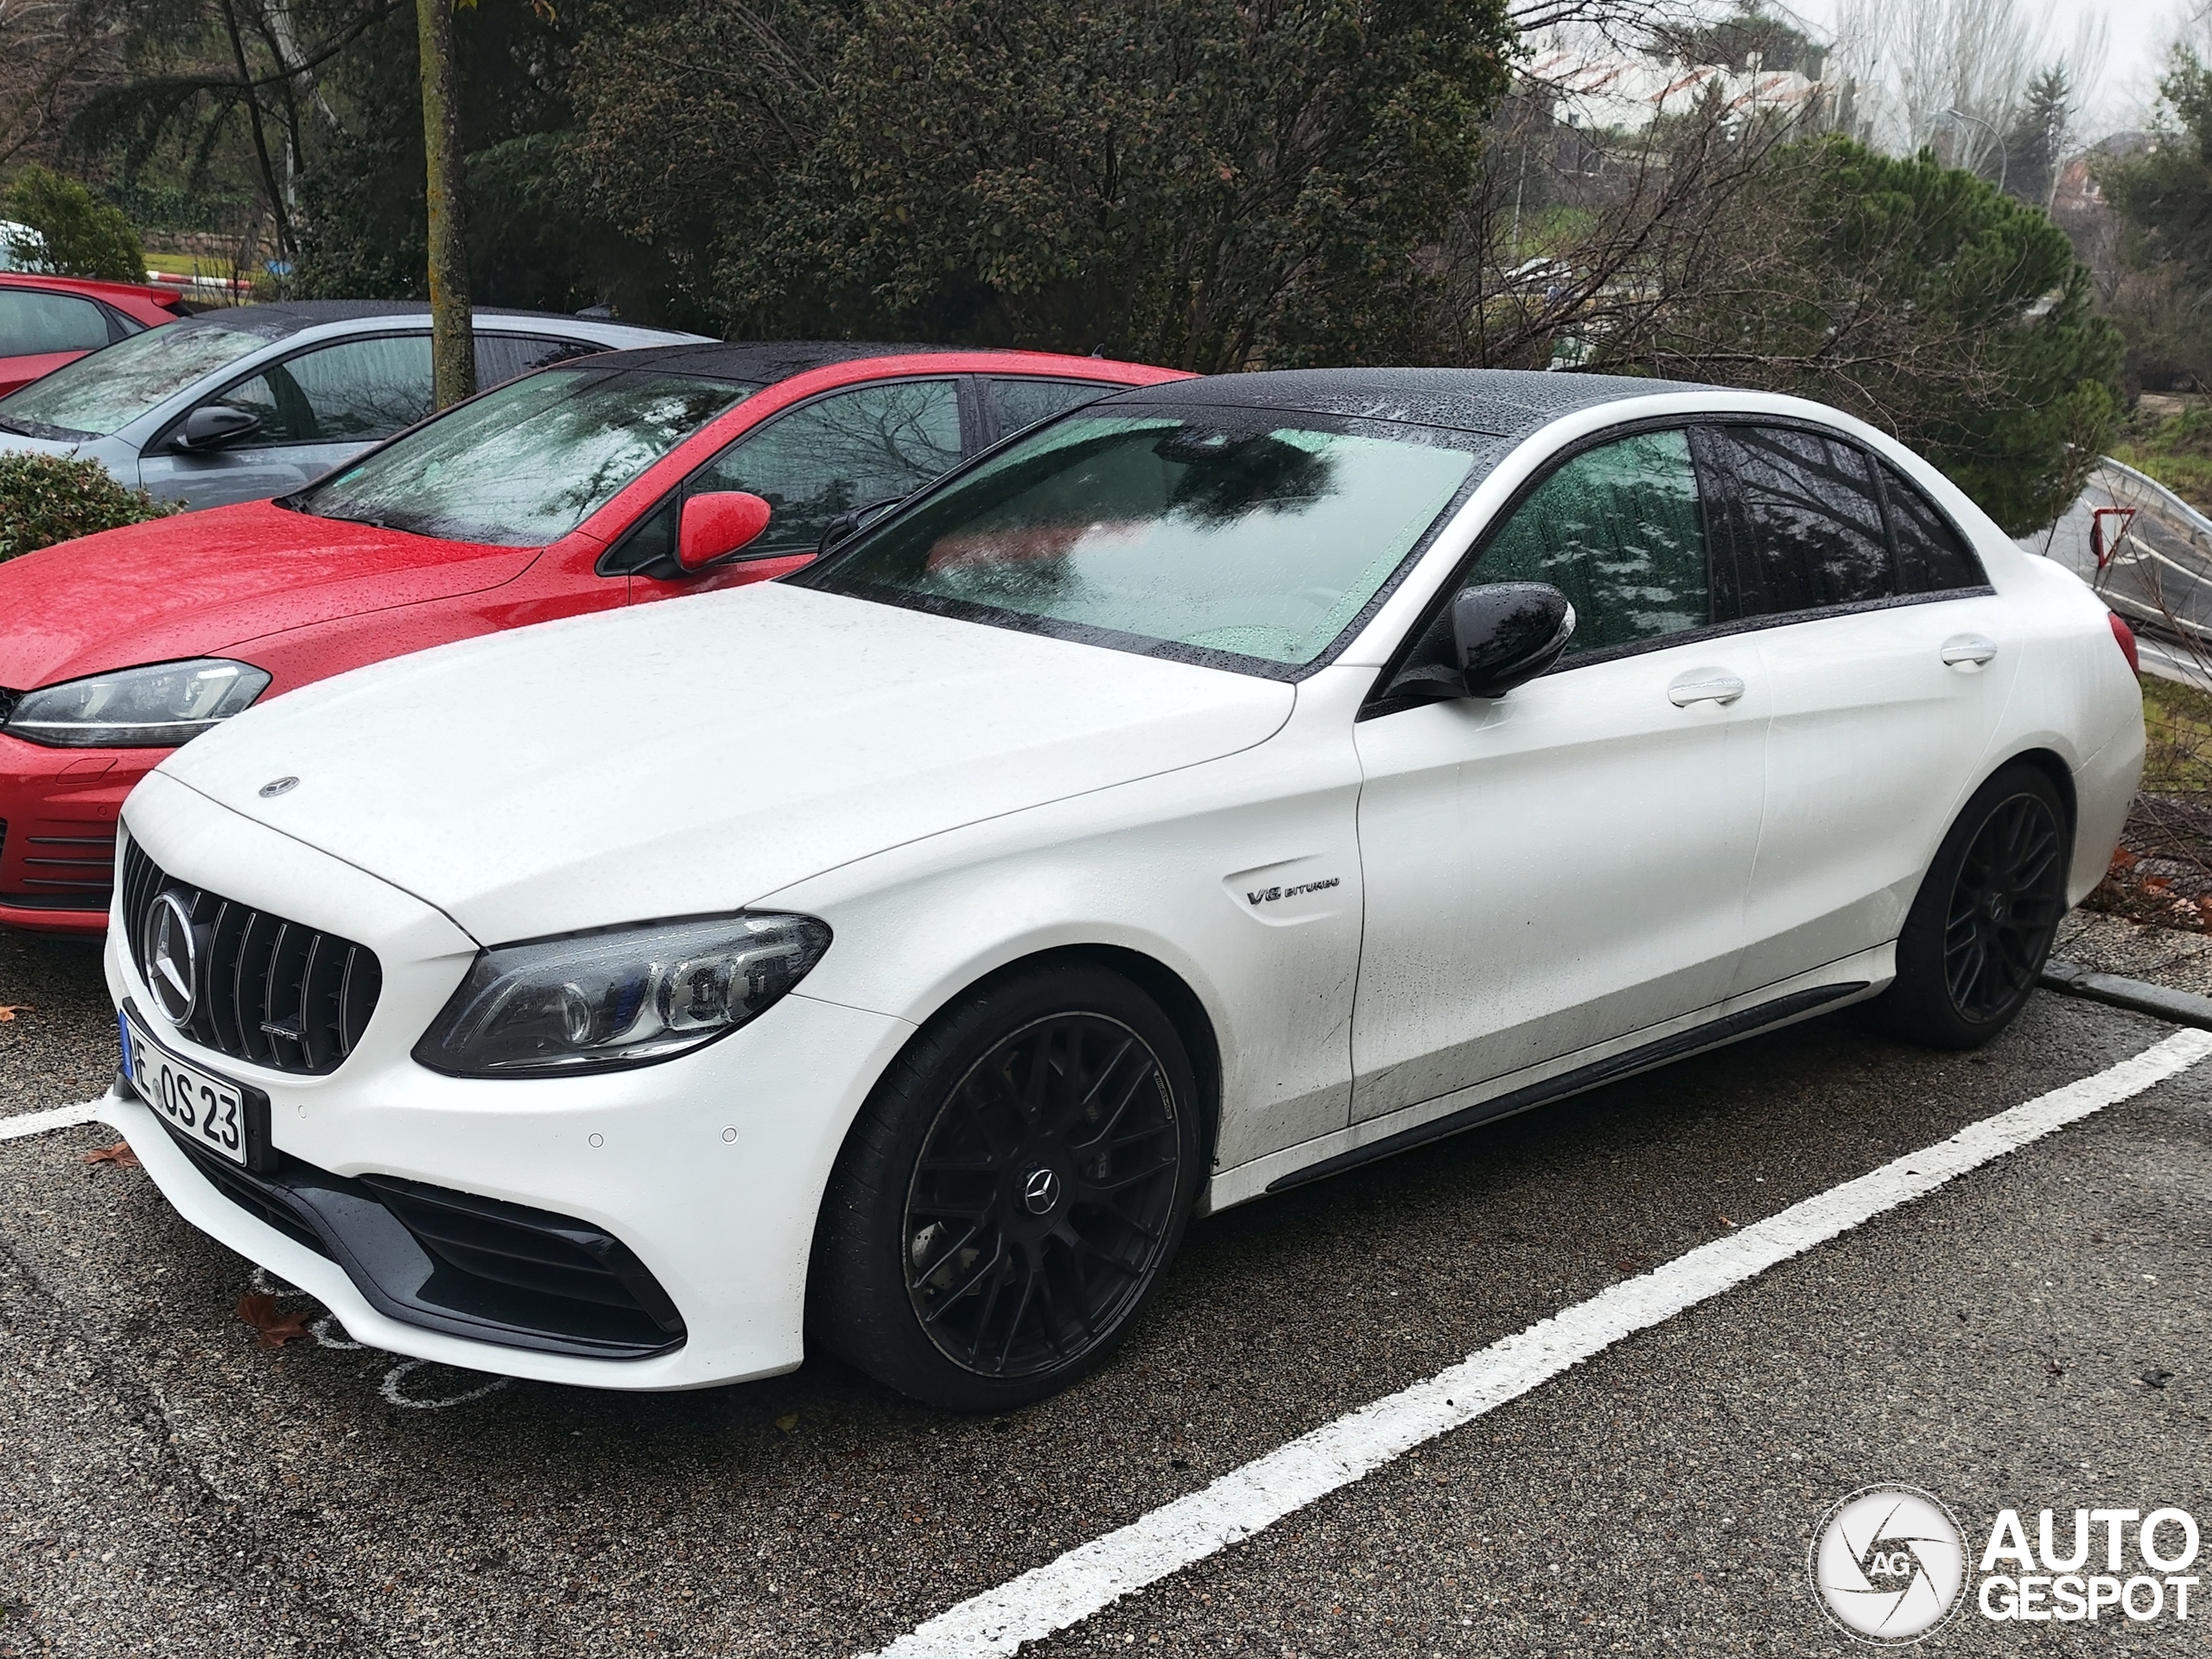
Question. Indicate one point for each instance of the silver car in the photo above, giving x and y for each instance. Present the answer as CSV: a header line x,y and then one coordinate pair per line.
x,y
240,405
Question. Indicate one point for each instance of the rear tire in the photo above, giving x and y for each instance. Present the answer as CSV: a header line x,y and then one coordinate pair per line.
x,y
1011,1192
1974,943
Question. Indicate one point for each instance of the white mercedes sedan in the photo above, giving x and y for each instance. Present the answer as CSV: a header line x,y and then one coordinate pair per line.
x,y
1228,782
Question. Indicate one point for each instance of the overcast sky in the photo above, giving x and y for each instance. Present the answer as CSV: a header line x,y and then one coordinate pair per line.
x,y
2138,33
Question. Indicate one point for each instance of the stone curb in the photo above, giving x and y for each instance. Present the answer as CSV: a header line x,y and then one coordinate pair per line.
x,y
2180,1006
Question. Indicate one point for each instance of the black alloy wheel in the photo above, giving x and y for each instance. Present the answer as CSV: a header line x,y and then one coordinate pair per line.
x,y
1008,1197
1974,943
2005,907
1043,1196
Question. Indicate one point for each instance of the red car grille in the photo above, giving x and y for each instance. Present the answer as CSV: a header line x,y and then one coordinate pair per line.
x,y
76,866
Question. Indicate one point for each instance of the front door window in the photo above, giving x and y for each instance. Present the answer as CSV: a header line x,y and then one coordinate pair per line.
x,y
847,450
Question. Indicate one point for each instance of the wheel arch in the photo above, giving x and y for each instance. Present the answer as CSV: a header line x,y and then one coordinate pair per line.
x,y
2053,766
1185,1009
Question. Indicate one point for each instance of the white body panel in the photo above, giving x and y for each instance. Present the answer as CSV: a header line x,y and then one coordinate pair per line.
x,y
1552,866
1384,923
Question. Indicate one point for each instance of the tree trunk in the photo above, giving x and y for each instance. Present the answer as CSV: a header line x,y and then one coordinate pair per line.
x,y
453,341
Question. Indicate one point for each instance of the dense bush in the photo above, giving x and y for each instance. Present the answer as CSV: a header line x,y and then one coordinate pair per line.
x,y
1212,184
82,235
46,498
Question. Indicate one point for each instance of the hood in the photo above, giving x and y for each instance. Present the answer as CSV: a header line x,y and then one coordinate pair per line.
x,y
699,754
22,443
201,583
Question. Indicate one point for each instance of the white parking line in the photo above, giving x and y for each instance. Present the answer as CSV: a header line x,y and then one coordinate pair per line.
x,y
1098,1573
61,1117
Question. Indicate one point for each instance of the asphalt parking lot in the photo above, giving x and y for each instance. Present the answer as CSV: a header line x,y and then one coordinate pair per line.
x,y
2034,1335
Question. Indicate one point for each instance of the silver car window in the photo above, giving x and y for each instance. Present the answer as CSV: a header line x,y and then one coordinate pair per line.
x,y
106,391
354,392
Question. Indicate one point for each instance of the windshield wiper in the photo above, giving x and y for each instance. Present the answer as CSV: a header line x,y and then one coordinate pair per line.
x,y
44,429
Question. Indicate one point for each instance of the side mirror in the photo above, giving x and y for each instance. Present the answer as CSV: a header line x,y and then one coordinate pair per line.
x,y
212,425
716,525
1509,633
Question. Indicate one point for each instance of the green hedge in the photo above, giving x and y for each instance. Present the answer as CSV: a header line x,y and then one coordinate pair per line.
x,y
46,498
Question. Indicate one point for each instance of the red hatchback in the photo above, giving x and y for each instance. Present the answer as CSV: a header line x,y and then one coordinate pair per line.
x,y
629,476
46,321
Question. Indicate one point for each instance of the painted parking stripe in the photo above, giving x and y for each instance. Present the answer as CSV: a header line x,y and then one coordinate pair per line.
x,y
1094,1575
61,1117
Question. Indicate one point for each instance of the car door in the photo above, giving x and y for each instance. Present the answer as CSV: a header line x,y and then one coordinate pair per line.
x,y
41,330
812,463
1567,863
1889,659
316,409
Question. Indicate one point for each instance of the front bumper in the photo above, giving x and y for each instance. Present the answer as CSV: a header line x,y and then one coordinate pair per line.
x,y
708,1170
58,812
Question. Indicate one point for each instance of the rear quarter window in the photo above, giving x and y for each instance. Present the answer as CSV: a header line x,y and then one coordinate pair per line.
x,y
1932,556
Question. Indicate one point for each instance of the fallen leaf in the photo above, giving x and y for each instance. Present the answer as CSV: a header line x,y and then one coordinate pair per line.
x,y
2124,860
119,1154
788,1422
258,1309
9,1011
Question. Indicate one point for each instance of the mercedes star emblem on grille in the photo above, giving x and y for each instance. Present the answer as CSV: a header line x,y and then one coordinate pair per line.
x,y
168,953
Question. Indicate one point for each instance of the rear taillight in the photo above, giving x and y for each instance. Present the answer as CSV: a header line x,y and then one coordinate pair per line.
x,y
2125,635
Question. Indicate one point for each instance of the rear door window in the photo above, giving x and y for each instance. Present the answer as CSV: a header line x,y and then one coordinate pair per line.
x,y
1620,531
500,358
1022,401
1932,556
1807,526
355,391
33,322
847,450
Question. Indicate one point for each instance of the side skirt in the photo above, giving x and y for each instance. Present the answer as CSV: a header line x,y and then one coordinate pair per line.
x,y
1725,1029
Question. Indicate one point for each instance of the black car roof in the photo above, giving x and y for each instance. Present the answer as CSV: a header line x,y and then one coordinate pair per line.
x,y
1497,403
767,361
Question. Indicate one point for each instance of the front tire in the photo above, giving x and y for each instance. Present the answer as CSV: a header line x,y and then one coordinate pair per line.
x,y
1974,943
1010,1194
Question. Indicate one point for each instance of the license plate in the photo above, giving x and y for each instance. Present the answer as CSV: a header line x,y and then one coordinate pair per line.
x,y
201,1106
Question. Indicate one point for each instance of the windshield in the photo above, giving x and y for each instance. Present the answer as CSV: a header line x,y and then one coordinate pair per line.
x,y
525,464
1216,535
108,389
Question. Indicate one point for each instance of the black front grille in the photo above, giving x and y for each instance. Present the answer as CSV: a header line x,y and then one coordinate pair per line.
x,y
458,1262
269,991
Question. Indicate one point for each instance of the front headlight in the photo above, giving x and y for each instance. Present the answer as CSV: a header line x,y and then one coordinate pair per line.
x,y
618,996
156,706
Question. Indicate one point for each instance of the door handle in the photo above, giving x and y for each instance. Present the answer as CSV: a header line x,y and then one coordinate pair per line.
x,y
1713,688
1968,651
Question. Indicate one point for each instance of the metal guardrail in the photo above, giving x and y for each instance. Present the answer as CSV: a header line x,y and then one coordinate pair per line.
x,y
2147,552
